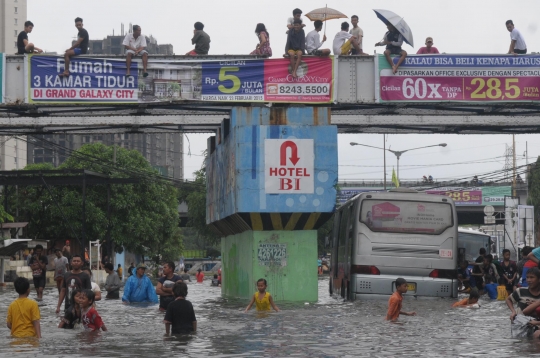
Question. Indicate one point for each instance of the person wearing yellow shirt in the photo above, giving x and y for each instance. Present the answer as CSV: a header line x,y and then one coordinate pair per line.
x,y
23,313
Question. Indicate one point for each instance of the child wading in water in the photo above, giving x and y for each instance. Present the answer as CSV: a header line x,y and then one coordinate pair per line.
x,y
468,302
396,301
23,317
262,299
73,312
90,317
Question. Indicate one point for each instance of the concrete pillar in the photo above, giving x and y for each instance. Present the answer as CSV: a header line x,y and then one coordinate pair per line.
x,y
271,177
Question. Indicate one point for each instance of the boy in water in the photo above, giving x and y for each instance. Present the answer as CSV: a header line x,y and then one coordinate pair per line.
x,y
91,319
180,314
23,314
396,301
468,302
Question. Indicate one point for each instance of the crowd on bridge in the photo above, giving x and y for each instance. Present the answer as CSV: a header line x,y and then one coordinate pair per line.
x,y
346,42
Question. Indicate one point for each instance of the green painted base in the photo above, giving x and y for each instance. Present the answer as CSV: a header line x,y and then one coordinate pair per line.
x,y
286,259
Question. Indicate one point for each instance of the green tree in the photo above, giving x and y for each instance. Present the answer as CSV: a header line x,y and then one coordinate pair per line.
x,y
144,216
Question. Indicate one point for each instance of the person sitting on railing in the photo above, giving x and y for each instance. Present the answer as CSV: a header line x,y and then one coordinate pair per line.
x,y
313,41
430,179
517,42
429,49
424,179
344,42
393,41
201,40
474,180
263,47
135,45
23,46
295,46
519,180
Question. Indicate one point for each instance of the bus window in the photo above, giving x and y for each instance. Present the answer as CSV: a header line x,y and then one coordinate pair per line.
x,y
396,216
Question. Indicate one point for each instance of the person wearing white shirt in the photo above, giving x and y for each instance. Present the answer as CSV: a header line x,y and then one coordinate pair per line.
x,y
343,37
313,41
517,43
135,45
297,14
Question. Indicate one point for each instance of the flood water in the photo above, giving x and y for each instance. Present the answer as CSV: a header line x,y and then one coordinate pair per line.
x,y
328,328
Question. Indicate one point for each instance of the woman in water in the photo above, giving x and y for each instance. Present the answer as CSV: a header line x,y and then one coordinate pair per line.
x,y
262,299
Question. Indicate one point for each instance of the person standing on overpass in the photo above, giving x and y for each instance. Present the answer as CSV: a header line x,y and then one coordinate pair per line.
x,y
517,42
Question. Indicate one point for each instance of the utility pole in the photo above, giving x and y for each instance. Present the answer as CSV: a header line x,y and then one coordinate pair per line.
x,y
16,186
384,152
514,163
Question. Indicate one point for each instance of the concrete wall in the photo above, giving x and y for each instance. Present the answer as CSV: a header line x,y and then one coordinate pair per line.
x,y
291,274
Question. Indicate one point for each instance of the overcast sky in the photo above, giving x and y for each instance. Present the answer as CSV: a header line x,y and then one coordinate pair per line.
x,y
459,26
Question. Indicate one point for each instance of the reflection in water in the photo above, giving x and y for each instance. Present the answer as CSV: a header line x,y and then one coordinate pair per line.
x,y
329,328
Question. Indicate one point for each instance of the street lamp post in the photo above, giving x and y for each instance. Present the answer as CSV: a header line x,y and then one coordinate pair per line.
x,y
397,153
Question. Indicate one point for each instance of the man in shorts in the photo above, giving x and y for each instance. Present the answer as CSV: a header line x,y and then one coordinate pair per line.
x,y
61,266
135,45
23,46
38,263
80,47
295,46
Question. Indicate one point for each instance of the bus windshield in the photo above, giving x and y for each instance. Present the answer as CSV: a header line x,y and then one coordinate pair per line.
x,y
405,216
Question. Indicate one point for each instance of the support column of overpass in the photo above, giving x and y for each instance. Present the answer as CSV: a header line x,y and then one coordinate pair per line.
x,y
271,177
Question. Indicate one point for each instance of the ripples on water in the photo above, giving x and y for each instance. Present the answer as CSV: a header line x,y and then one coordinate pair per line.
x,y
329,328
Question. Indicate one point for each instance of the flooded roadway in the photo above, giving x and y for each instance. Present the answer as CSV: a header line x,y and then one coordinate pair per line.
x,y
329,328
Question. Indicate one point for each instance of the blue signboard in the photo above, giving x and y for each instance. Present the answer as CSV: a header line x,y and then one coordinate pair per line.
x,y
233,80
96,80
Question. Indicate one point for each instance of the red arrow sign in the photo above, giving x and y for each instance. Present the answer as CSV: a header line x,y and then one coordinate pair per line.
x,y
294,153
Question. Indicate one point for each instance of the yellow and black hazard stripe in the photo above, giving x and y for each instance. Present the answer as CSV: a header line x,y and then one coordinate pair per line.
x,y
284,221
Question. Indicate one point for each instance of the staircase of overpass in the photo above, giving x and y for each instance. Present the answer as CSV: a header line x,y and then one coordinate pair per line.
x,y
364,97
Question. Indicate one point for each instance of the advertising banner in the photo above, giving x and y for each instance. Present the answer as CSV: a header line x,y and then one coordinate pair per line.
x,y
487,195
268,81
104,80
403,216
460,78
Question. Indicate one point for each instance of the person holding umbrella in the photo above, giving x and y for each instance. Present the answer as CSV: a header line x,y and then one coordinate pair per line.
x,y
393,40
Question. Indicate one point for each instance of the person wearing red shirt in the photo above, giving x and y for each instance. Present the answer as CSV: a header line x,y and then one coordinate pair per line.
x,y
200,276
428,49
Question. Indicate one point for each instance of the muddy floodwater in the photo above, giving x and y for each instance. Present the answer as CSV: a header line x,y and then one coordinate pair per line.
x,y
328,328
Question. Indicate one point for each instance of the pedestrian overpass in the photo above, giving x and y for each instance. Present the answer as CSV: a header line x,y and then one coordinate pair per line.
x,y
358,104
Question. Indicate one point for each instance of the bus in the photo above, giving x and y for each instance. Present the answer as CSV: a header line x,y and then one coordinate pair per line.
x,y
380,236
470,242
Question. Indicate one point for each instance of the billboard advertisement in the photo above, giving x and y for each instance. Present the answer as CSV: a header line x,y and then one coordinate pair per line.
x,y
460,78
104,80
480,196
